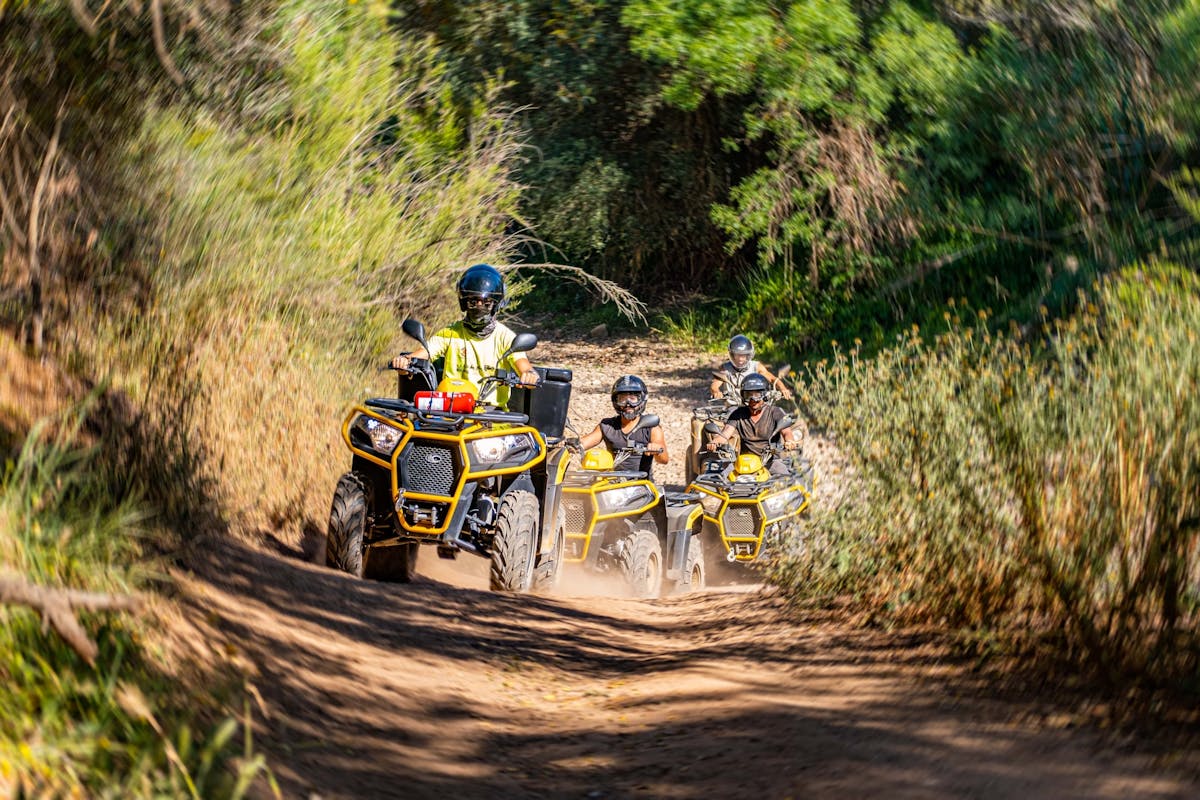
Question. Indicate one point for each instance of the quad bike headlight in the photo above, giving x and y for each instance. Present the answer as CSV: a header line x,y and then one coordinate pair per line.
x,y
511,449
710,503
381,436
610,501
779,504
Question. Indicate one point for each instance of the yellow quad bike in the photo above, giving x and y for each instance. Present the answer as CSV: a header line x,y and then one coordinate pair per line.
x,y
743,502
717,411
440,466
619,522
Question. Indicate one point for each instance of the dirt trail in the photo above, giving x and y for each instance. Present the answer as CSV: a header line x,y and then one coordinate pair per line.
x,y
444,689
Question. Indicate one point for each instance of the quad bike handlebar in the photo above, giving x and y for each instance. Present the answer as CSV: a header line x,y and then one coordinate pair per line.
x,y
405,407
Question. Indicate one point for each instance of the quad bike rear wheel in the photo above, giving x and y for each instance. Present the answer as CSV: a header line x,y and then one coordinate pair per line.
x,y
513,550
347,525
642,564
392,563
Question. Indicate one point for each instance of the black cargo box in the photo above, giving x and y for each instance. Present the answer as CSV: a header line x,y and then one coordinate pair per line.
x,y
546,405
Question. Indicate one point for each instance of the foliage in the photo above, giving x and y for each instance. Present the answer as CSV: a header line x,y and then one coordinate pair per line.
x,y
126,727
1031,487
616,182
284,228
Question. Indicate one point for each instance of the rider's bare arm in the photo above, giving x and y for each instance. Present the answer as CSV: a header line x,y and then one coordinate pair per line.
x,y
525,369
658,446
402,362
724,437
776,382
590,440
790,442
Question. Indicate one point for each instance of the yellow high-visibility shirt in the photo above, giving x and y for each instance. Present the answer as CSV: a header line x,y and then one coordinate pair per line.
x,y
473,358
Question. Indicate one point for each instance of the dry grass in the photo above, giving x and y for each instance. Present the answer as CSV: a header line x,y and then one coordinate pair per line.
x,y
1031,491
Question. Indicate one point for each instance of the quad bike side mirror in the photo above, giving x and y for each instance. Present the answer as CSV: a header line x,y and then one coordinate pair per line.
x,y
415,330
522,342
647,421
712,427
786,422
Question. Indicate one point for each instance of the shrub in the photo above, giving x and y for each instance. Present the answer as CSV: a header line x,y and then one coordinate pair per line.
x,y
1028,482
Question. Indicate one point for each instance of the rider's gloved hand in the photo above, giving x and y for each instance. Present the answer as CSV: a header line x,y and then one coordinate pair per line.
x,y
401,362
573,444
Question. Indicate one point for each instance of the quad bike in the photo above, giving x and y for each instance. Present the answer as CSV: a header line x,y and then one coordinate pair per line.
x,y
618,521
743,501
717,411
441,466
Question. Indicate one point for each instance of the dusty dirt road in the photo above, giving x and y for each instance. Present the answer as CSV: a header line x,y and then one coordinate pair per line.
x,y
442,689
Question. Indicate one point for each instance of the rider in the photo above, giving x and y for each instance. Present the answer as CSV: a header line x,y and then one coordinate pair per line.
x,y
473,345
754,422
741,363
629,396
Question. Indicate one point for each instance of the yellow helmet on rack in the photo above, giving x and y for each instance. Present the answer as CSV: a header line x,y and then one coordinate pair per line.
x,y
749,467
459,386
598,460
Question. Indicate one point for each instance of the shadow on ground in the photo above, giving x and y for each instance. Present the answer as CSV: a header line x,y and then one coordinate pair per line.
x,y
433,690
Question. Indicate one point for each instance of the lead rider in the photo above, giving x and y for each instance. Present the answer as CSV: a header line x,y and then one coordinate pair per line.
x,y
473,345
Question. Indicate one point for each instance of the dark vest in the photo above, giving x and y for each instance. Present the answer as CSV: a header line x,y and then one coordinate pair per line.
x,y
614,439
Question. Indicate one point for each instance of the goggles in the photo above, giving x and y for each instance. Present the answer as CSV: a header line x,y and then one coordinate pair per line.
x,y
480,302
754,397
629,399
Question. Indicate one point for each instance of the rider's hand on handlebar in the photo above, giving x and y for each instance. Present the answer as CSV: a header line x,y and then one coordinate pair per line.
x,y
530,377
401,362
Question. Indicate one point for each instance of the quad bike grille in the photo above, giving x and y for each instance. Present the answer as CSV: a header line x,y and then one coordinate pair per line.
x,y
578,513
430,470
741,522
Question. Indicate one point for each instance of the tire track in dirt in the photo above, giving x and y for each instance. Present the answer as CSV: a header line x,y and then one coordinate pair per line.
x,y
443,689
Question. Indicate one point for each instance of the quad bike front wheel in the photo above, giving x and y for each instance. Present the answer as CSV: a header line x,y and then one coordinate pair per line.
x,y
395,563
347,525
694,567
516,540
642,564
549,572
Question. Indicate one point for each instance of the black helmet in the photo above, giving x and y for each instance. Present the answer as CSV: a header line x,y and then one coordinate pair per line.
x,y
754,382
481,282
741,345
627,384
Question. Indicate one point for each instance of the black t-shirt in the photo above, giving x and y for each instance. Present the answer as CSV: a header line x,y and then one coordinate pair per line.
x,y
615,439
756,436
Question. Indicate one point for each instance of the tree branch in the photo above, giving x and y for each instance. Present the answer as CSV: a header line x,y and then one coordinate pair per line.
x,y
57,608
160,42
85,20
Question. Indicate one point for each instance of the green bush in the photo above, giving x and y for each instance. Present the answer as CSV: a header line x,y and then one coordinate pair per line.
x,y
1033,483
